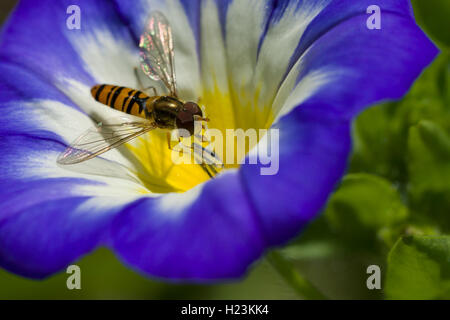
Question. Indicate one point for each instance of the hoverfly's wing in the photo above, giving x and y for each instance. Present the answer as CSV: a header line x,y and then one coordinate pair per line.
x,y
104,137
157,57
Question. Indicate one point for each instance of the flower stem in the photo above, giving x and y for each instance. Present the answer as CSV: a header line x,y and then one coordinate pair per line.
x,y
287,271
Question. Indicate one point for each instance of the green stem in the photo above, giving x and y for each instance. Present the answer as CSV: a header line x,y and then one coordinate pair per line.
x,y
302,286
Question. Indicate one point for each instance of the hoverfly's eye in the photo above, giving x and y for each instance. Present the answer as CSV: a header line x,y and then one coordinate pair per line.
x,y
185,120
193,109
185,116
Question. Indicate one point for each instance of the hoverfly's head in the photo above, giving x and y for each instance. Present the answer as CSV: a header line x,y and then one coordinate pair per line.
x,y
186,116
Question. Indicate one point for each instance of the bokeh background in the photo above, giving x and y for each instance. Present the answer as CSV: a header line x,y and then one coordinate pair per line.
x,y
392,210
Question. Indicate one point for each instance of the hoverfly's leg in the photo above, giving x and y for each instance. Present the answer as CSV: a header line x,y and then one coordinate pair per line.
x,y
136,74
198,118
155,93
211,163
202,138
141,85
214,171
205,168
169,140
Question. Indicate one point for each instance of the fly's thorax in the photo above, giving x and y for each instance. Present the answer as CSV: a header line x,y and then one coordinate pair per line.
x,y
171,113
165,110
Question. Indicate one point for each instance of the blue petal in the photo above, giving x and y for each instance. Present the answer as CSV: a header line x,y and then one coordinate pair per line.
x,y
362,67
45,238
337,12
18,87
314,149
368,65
48,216
214,236
36,36
45,223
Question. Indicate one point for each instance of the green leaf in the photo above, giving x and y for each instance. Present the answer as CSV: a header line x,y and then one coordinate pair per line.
x,y
429,171
363,205
419,268
433,16
372,136
437,141
292,276
381,133
313,249
444,77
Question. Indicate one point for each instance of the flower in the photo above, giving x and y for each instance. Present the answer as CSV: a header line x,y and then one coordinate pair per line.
x,y
303,67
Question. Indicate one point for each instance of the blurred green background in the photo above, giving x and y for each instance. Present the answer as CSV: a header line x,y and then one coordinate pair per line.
x,y
392,210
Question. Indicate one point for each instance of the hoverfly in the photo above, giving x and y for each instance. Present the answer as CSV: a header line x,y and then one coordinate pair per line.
x,y
164,112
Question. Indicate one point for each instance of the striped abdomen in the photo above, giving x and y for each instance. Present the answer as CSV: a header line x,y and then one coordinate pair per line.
x,y
123,99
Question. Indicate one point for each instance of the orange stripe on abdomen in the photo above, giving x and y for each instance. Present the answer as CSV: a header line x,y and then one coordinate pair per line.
x,y
121,98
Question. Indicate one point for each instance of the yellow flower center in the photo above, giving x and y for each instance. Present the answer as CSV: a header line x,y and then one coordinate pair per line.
x,y
159,174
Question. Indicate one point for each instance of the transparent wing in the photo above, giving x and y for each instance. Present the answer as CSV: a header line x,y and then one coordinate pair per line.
x,y
157,57
104,137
